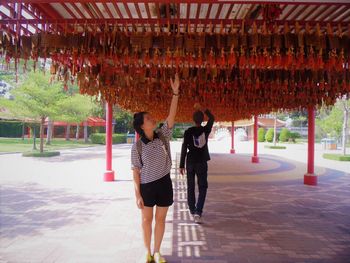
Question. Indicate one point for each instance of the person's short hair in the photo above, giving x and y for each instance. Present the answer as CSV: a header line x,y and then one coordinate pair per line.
x,y
138,122
198,117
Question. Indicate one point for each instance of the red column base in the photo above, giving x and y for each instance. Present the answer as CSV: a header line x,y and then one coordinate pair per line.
x,y
255,159
310,179
232,151
109,176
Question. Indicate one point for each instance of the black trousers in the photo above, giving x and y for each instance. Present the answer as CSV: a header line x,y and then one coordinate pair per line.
x,y
199,170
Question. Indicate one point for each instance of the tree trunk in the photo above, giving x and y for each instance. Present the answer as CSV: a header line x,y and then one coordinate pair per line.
x,y
345,129
68,132
42,134
275,130
49,131
23,131
34,139
77,133
85,132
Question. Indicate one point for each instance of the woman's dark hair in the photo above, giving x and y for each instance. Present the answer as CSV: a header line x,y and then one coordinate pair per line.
x,y
198,117
138,122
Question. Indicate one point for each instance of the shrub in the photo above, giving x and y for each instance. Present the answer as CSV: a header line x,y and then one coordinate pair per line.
x,y
261,135
269,135
100,138
12,129
178,133
293,136
39,154
275,147
285,134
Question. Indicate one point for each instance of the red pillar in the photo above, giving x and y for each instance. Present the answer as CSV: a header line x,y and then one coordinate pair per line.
x,y
255,158
233,138
310,178
28,129
109,174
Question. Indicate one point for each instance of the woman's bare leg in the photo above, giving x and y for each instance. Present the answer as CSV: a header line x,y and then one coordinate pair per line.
x,y
159,228
147,217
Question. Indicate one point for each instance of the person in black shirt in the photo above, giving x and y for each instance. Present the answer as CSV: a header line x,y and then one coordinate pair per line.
x,y
196,142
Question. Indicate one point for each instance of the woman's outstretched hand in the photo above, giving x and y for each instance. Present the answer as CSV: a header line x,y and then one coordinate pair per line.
x,y
175,84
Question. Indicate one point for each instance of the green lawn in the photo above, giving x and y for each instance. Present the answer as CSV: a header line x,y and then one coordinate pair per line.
x,y
337,157
19,145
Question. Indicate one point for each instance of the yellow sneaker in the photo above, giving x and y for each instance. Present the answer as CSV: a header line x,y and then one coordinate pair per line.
x,y
149,258
158,258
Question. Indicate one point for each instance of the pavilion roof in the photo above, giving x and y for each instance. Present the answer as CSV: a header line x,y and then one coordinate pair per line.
x,y
239,58
34,15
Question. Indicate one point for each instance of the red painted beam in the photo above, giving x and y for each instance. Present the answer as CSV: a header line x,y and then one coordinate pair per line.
x,y
295,2
162,21
11,30
70,12
108,11
97,10
29,12
78,11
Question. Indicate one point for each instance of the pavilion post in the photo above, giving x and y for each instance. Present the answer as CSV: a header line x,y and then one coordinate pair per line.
x,y
310,178
255,158
232,138
109,174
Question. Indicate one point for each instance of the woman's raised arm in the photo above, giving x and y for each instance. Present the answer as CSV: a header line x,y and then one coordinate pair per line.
x,y
173,106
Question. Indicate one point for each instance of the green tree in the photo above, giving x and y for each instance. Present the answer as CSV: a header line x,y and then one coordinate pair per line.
x,y
330,122
76,109
284,135
35,98
261,134
269,135
123,120
345,105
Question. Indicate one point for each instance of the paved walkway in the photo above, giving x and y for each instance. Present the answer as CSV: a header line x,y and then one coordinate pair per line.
x,y
60,210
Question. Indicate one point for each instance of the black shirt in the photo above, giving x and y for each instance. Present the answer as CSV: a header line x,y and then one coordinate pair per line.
x,y
196,141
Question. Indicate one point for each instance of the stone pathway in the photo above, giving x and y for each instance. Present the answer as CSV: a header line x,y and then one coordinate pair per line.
x,y
60,210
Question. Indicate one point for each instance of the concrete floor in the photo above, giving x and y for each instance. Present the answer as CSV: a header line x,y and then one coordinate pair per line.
x,y
60,210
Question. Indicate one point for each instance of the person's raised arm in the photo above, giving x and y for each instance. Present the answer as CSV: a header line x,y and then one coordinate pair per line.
x,y
210,122
175,97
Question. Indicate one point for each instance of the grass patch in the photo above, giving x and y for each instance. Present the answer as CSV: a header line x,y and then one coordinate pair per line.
x,y
19,145
275,147
337,157
39,154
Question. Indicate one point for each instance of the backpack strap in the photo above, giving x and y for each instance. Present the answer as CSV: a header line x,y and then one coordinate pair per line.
x,y
139,150
165,142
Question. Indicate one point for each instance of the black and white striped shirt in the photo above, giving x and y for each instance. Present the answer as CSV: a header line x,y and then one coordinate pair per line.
x,y
155,160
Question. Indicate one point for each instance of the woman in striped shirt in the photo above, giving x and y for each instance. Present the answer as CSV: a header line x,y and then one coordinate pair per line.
x,y
151,164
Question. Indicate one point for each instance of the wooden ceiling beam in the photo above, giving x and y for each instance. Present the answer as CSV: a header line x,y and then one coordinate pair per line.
x,y
155,21
336,14
117,10
290,2
78,11
70,12
108,11
97,10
